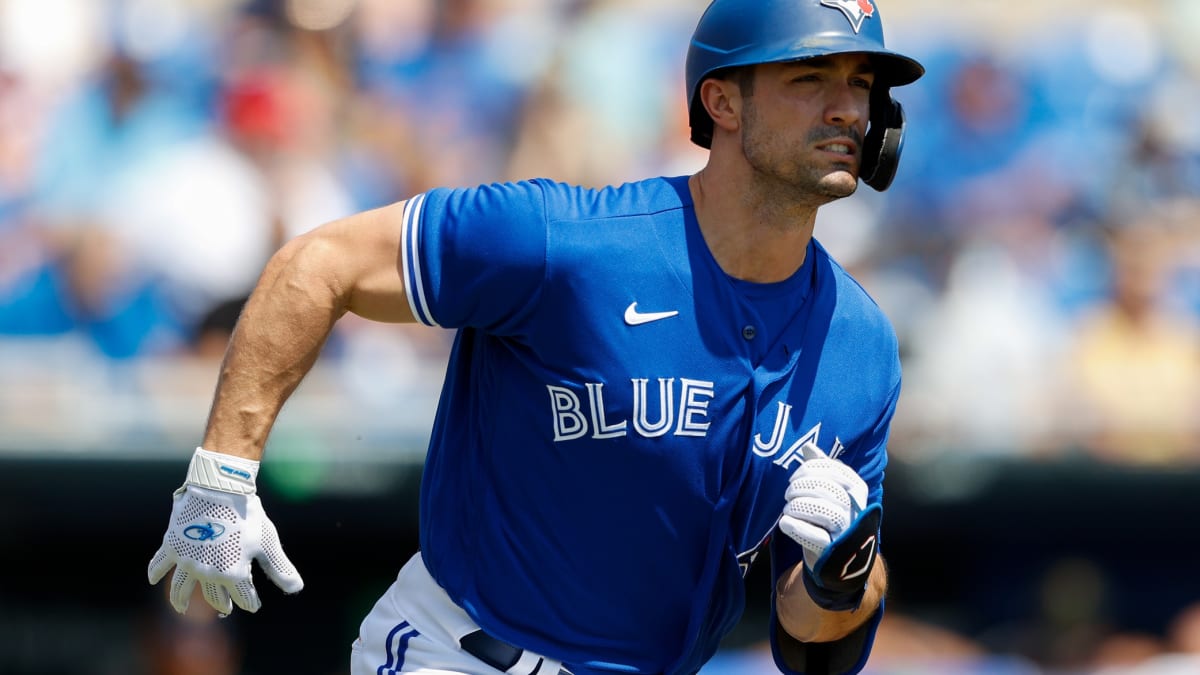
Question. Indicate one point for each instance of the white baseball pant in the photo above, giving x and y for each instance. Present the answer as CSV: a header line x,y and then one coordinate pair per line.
x,y
416,628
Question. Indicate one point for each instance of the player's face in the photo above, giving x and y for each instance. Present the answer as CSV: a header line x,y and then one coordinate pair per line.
x,y
802,127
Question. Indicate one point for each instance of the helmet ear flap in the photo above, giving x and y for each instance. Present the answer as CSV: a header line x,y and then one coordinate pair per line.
x,y
701,123
884,140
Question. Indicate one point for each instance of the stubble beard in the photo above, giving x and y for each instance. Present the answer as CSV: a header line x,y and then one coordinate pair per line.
x,y
783,173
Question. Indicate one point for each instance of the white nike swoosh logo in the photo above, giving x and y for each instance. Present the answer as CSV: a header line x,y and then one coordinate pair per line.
x,y
636,318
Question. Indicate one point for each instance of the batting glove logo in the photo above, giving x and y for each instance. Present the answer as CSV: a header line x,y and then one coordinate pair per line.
x,y
205,532
865,554
234,471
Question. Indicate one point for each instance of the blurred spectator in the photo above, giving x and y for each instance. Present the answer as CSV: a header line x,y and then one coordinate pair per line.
x,y
612,96
1162,151
979,372
461,90
111,122
65,272
30,302
1183,634
199,214
1071,617
122,308
84,284
279,104
1177,654
973,166
1134,360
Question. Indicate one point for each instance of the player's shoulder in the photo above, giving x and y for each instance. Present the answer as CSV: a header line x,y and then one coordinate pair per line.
x,y
561,201
648,196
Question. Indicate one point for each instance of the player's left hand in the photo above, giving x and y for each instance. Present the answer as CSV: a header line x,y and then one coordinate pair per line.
x,y
828,515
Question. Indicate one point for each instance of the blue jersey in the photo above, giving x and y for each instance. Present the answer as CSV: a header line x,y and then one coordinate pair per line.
x,y
620,417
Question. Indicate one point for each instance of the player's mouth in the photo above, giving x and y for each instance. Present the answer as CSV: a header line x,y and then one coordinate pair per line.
x,y
839,148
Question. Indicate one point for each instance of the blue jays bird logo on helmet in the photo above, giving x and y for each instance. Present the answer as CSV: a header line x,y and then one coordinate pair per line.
x,y
856,11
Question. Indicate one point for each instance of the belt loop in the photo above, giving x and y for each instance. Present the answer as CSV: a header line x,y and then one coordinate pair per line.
x,y
528,664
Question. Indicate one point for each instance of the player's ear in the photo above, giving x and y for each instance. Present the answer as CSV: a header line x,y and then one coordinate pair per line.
x,y
722,99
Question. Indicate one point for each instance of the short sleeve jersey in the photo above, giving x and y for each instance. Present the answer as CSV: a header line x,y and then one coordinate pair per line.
x,y
614,439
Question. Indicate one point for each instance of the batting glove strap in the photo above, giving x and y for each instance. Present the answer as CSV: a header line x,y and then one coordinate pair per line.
x,y
225,473
838,579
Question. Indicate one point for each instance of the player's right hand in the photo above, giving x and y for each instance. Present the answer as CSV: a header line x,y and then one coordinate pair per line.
x,y
828,515
217,528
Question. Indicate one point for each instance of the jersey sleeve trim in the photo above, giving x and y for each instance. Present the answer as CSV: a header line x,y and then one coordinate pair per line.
x,y
410,258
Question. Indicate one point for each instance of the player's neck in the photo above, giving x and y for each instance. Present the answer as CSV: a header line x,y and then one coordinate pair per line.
x,y
750,238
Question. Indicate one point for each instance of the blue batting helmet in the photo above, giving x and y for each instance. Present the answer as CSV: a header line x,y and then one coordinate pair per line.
x,y
745,32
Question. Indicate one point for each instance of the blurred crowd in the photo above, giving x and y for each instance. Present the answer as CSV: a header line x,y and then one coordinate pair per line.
x,y
1039,252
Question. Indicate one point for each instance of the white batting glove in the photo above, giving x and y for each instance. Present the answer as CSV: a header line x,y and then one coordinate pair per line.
x,y
217,528
827,514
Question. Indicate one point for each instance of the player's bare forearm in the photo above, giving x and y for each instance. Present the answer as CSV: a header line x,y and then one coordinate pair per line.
x,y
310,283
807,622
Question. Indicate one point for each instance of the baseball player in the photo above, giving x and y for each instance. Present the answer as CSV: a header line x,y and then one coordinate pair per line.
x,y
650,385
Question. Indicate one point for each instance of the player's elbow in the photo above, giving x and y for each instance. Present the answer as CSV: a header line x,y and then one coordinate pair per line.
x,y
304,272
357,260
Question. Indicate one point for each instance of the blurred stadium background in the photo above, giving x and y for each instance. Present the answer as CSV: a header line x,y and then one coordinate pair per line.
x,y
1039,255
